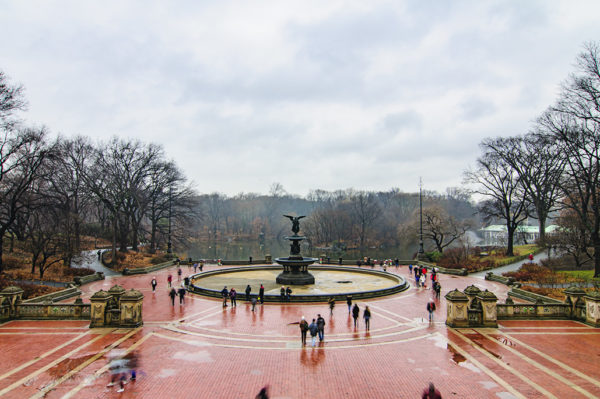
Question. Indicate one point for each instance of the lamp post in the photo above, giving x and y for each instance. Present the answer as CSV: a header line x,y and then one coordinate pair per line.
x,y
169,244
421,251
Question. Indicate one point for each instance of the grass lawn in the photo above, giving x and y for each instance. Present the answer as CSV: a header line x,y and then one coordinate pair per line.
x,y
580,274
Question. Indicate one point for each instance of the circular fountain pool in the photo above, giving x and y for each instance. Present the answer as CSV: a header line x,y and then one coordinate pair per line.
x,y
336,281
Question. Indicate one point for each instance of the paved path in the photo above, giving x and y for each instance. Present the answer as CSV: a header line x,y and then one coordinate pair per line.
x,y
90,260
537,258
202,350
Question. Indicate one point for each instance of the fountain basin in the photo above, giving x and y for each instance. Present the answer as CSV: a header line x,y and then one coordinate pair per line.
x,y
336,281
295,271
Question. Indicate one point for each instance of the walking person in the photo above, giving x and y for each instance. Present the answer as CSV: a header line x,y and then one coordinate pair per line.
x,y
367,317
201,265
349,303
410,269
314,329
422,280
179,271
173,294
303,330
233,296
321,327
154,283
195,267
181,292
438,289
264,393
224,294
355,313
253,302
248,291
430,309
431,392
331,303
261,294
169,280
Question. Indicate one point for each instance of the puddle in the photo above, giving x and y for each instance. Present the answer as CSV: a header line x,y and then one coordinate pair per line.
x,y
456,357
67,365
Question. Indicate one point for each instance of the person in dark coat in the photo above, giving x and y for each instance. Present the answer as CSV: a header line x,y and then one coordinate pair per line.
x,y
430,309
349,303
367,317
355,313
181,292
248,291
224,294
154,283
261,294
173,294
321,327
288,294
233,296
264,393
431,392
314,330
186,281
303,330
331,302
282,293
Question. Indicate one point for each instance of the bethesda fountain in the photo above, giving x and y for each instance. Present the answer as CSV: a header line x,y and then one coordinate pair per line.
x,y
295,266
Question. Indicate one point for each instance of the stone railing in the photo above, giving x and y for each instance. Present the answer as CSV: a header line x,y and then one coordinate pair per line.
x,y
52,311
535,311
475,308
444,270
57,296
530,296
148,269
89,278
500,279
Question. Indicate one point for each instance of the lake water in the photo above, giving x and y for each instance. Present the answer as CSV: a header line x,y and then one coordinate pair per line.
x,y
239,250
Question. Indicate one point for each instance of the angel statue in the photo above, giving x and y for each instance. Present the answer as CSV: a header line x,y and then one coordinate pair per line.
x,y
295,222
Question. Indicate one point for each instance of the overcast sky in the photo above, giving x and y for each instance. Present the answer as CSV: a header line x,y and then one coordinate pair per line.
x,y
311,94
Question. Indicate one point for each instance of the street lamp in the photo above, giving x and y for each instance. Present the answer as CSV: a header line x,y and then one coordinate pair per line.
x,y
421,251
169,244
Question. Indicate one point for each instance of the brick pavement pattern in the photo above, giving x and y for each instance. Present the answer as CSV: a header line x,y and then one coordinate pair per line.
x,y
202,350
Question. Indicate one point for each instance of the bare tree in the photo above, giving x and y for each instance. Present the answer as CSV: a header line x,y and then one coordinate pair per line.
x,y
365,212
22,153
574,123
441,228
498,182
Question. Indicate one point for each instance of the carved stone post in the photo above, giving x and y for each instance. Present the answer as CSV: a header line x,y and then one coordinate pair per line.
x,y
99,302
131,309
471,292
12,296
457,305
573,294
268,259
488,304
592,309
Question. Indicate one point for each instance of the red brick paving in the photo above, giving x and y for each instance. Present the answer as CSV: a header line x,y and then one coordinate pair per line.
x,y
202,350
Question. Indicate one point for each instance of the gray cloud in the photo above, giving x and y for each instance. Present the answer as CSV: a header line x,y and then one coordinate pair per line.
x,y
312,95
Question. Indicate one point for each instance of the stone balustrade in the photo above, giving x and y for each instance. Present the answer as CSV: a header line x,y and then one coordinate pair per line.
x,y
476,308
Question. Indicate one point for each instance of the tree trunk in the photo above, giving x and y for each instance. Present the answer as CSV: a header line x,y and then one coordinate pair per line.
x,y
596,240
542,230
114,242
1,249
510,237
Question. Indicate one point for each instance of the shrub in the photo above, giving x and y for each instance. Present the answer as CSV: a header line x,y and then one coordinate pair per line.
x,y
78,271
161,259
529,272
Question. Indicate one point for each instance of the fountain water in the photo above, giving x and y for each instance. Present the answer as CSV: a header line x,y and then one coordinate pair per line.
x,y
295,266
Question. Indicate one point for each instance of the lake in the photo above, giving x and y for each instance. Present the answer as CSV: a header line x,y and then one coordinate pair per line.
x,y
238,250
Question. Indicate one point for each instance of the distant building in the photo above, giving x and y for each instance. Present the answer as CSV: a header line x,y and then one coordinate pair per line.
x,y
496,234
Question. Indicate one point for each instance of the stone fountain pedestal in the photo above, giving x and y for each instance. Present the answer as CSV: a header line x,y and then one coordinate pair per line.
x,y
295,266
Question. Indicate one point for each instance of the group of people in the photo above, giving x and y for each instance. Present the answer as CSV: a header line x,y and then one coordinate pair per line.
x,y
316,328
284,294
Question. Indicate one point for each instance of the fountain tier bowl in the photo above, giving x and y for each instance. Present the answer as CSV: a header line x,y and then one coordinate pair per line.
x,y
336,281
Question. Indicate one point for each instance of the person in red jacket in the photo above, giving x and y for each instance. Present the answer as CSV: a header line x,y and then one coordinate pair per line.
x,y
431,392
